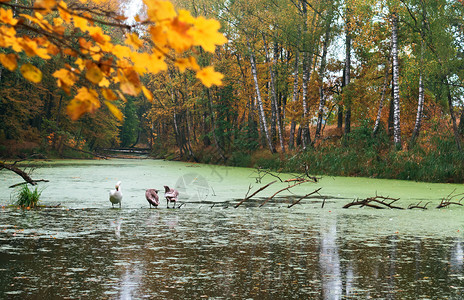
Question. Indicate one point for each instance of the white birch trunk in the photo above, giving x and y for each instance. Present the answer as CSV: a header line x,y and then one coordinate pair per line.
x,y
259,99
273,92
322,70
396,88
291,142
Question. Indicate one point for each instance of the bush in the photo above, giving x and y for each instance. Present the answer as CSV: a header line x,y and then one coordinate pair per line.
x,y
240,159
28,198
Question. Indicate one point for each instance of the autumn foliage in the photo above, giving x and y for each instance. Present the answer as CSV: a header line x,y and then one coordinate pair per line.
x,y
99,69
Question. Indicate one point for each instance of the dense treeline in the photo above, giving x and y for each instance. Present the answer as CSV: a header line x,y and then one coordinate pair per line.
x,y
371,88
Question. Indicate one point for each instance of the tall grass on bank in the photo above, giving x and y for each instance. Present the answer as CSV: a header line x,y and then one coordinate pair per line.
x,y
365,156
26,197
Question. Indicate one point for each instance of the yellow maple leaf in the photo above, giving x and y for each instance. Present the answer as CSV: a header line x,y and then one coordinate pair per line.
x,y
98,35
133,40
47,5
159,10
81,23
93,74
9,61
187,63
147,94
64,13
177,34
104,82
185,16
32,48
158,36
114,110
209,77
205,33
31,73
65,77
109,94
156,63
6,16
86,101
122,51
129,82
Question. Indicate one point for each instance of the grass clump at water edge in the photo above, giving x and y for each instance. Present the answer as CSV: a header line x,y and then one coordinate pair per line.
x,y
26,197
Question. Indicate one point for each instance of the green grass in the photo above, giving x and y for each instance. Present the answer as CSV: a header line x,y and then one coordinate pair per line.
x,y
26,197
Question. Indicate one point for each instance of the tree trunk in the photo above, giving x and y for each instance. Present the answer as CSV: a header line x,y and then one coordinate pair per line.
x,y
396,88
382,98
291,142
420,102
457,138
262,115
347,79
322,70
213,126
274,104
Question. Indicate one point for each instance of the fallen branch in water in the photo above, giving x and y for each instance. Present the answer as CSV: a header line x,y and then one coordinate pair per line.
x,y
377,202
259,190
289,187
296,202
447,201
21,173
411,206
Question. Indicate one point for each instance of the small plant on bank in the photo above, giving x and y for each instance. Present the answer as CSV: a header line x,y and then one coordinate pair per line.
x,y
26,197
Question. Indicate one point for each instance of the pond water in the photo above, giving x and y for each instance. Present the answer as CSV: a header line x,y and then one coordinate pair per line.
x,y
84,248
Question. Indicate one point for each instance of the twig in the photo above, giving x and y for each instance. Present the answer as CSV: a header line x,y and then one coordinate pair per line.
x,y
259,190
368,202
300,182
411,206
34,183
296,202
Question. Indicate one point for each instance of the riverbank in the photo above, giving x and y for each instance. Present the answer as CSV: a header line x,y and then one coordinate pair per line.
x,y
433,158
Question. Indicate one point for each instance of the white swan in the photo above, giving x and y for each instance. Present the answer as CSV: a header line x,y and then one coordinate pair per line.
x,y
170,195
152,197
116,195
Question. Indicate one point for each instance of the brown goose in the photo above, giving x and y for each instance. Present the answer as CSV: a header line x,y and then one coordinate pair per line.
x,y
170,195
152,197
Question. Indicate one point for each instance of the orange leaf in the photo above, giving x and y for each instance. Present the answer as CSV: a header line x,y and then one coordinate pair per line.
x,y
6,16
9,61
205,33
159,10
147,93
114,110
85,101
109,94
31,73
94,74
209,77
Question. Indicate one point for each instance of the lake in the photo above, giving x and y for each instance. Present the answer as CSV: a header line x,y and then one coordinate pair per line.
x,y
316,249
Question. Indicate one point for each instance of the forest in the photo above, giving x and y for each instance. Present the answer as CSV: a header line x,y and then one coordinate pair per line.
x,y
354,88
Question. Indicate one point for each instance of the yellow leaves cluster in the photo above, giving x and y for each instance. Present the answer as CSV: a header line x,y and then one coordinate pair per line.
x,y
113,70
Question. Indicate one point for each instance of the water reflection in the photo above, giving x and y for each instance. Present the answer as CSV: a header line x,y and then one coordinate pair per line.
x,y
223,254
329,261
